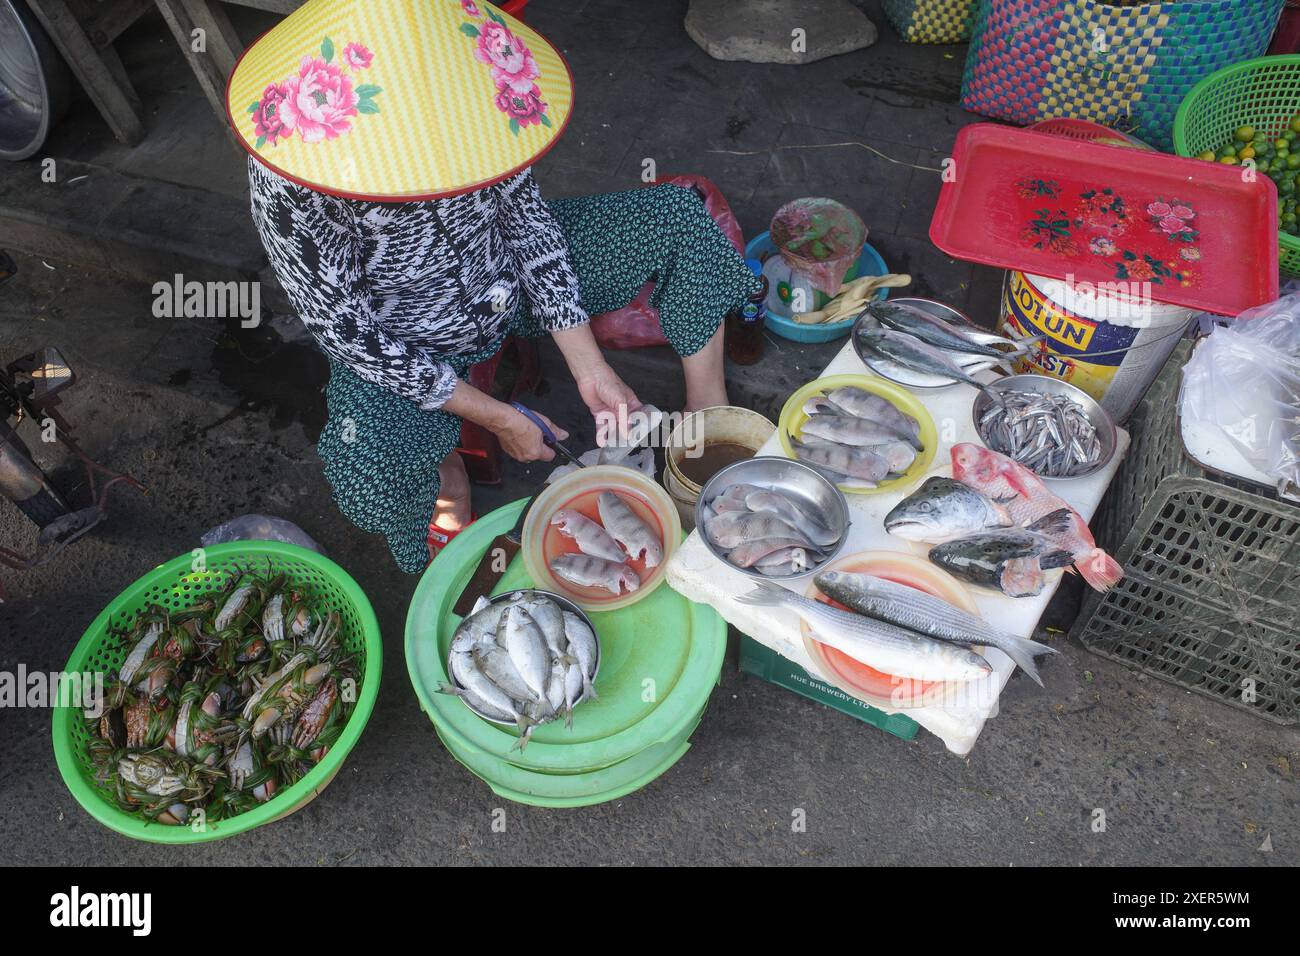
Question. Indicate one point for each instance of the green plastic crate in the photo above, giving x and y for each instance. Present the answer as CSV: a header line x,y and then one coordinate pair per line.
x,y
1210,591
772,667
1263,93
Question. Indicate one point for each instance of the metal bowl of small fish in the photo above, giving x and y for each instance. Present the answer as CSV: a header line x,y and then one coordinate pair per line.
x,y
1053,428
554,658
921,343
772,518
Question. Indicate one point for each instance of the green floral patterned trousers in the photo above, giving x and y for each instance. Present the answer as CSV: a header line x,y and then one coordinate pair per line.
x,y
382,451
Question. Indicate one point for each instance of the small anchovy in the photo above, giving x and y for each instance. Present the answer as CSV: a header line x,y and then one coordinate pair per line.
x,y
1049,434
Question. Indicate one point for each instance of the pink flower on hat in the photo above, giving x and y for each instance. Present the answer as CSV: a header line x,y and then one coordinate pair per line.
x,y
321,101
268,123
527,108
510,58
358,56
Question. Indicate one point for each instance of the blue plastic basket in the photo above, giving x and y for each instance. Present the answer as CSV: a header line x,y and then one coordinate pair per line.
x,y
869,264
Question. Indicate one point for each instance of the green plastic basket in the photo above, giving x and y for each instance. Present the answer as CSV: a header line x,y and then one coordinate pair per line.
x,y
175,585
1263,93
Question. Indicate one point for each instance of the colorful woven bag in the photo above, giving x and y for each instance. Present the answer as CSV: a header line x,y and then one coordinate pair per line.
x,y
932,21
1125,66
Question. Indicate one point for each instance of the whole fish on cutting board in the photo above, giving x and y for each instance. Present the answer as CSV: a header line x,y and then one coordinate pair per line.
x,y
918,611
885,647
1027,499
943,509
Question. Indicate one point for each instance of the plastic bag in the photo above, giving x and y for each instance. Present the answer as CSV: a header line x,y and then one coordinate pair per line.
x,y
260,528
1245,380
819,239
636,325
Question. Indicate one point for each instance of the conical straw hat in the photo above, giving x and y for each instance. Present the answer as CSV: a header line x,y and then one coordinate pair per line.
x,y
399,99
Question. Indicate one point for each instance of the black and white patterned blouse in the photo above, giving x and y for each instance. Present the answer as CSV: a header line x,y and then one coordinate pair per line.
x,y
392,289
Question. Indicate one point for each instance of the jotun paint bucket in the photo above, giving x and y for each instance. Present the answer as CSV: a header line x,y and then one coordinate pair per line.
x,y
1107,341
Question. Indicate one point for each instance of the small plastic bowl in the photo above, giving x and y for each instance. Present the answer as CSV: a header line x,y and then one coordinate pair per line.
x,y
793,417
565,605
869,263
1033,384
578,489
810,490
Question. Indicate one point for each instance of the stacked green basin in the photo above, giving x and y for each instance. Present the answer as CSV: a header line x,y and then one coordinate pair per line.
x,y
660,659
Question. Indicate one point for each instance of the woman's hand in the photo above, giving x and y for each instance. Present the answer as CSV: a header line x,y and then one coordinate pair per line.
x,y
522,440
610,401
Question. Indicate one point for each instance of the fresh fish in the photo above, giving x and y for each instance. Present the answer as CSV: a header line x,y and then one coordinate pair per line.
x,y
943,509
629,530
495,662
914,354
479,625
471,682
928,328
789,512
899,455
1050,434
548,617
1028,500
785,561
851,430
1011,560
589,536
527,648
573,690
583,648
858,401
734,528
844,459
588,572
555,687
752,552
885,647
918,611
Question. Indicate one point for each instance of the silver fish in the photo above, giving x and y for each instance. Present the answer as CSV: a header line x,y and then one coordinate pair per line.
x,y
586,571
734,528
844,459
470,680
792,514
527,648
590,537
548,617
478,626
885,647
573,690
858,401
752,552
583,648
495,662
928,328
629,530
943,509
918,611
1049,434
555,686
914,354
851,430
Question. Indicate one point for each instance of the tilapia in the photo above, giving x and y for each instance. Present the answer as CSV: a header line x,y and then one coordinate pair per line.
x,y
943,509
527,647
885,647
857,463
586,571
734,528
1027,499
858,401
628,530
1011,560
918,611
589,536
914,354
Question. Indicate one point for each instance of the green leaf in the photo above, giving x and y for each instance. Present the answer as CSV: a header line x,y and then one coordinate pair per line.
x,y
367,106
546,120
327,50
256,104
469,29
493,15
367,90
514,126
261,141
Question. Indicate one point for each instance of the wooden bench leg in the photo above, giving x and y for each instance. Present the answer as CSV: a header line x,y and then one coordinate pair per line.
x,y
99,71
213,67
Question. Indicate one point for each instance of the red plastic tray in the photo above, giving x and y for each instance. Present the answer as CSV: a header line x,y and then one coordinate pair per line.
x,y
1199,234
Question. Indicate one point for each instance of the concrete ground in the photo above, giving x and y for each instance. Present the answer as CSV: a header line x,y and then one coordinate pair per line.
x,y
219,421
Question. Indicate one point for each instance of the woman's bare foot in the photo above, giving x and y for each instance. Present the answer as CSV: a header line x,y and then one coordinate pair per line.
x,y
706,383
452,511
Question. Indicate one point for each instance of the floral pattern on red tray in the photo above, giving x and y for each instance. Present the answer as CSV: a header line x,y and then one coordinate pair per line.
x,y
1154,246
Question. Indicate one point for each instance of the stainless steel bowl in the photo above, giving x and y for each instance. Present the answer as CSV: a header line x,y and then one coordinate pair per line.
x,y
1047,385
803,484
896,373
565,605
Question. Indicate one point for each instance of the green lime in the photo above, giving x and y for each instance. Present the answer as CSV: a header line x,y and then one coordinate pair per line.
x,y
1245,134
1209,156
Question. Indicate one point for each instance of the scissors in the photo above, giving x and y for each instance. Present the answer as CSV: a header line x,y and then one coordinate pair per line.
x,y
548,436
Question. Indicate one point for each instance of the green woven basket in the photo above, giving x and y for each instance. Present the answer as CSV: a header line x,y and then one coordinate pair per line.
x,y
1263,93
175,585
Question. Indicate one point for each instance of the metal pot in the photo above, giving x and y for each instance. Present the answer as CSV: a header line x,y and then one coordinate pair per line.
x,y
35,84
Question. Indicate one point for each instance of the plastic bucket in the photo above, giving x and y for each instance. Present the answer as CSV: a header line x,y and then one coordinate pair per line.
x,y
716,425
1108,344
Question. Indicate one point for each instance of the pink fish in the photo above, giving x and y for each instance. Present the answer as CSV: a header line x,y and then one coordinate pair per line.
x,y
1029,502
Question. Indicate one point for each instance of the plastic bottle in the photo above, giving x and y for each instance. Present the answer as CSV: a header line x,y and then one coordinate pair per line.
x,y
744,336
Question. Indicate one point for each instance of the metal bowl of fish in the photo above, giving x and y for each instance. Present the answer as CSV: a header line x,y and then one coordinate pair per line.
x,y
921,343
772,518
1053,428
523,659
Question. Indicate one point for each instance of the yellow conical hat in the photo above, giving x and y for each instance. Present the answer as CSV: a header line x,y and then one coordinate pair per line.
x,y
399,99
